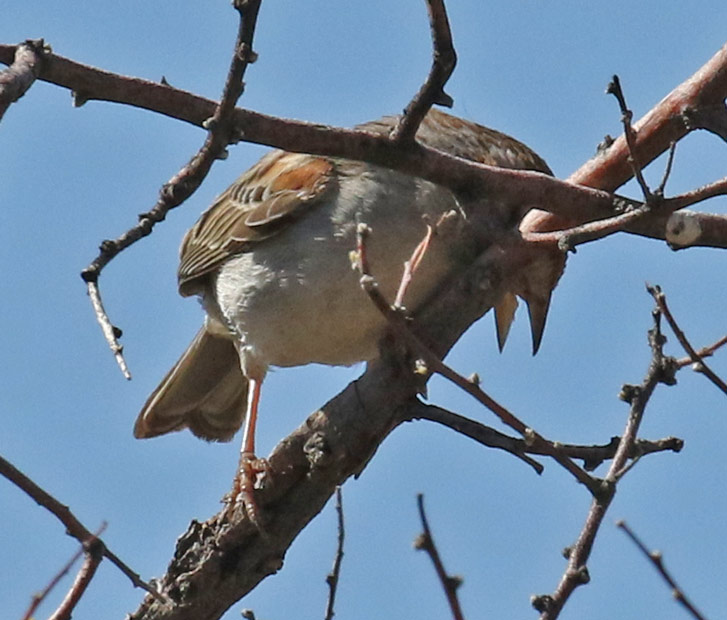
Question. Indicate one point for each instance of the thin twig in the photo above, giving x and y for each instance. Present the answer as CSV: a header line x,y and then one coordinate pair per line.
x,y
699,364
74,527
433,364
578,235
425,542
182,185
656,559
94,554
38,598
569,238
703,352
481,433
444,59
592,456
661,370
332,577
667,169
614,88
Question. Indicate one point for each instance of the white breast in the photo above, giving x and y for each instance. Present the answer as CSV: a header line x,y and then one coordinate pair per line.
x,y
294,298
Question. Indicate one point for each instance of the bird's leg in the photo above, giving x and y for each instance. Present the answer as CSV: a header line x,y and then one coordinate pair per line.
x,y
243,489
411,266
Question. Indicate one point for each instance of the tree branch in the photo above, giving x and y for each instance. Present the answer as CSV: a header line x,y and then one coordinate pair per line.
x,y
432,91
450,584
74,527
182,185
661,370
19,76
656,559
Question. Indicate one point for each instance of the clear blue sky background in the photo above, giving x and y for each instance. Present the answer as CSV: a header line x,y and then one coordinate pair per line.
x,y
72,177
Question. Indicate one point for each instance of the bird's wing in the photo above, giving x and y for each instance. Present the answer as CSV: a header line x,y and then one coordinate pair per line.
x,y
264,200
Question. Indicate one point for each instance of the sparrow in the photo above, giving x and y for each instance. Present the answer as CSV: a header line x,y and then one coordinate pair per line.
x,y
270,262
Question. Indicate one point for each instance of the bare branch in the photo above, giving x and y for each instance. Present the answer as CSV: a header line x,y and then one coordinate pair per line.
x,y
74,527
662,126
699,364
703,352
656,559
93,549
474,430
41,596
432,91
425,542
20,75
332,577
592,456
614,88
433,363
661,370
186,181
712,118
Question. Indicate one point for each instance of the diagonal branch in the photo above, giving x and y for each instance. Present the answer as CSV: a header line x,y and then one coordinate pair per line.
x,y
661,370
187,180
432,91
74,527
697,359
450,584
656,559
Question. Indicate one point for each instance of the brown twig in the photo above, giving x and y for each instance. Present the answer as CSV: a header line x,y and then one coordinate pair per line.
x,y
93,550
332,577
661,370
20,75
567,239
433,364
182,185
667,170
425,542
614,88
703,352
592,456
38,598
656,559
699,364
444,59
474,430
73,526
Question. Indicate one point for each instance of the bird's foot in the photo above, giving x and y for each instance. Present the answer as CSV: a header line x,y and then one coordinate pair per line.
x,y
250,475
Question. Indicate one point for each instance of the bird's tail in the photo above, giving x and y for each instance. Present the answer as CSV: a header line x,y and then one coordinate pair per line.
x,y
205,391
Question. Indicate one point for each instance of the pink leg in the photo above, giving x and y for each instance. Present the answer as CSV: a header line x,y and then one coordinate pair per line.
x,y
250,466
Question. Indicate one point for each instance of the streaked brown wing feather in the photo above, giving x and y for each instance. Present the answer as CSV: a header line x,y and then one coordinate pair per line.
x,y
270,195
468,140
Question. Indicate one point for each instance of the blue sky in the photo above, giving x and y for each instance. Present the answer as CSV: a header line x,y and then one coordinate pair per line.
x,y
537,70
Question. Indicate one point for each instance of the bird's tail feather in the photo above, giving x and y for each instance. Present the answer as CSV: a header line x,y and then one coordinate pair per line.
x,y
205,391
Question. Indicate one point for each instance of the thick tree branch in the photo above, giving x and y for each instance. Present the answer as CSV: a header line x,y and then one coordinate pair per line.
x,y
20,75
656,131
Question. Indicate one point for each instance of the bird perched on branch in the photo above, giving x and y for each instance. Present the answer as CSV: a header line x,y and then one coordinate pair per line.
x,y
270,262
